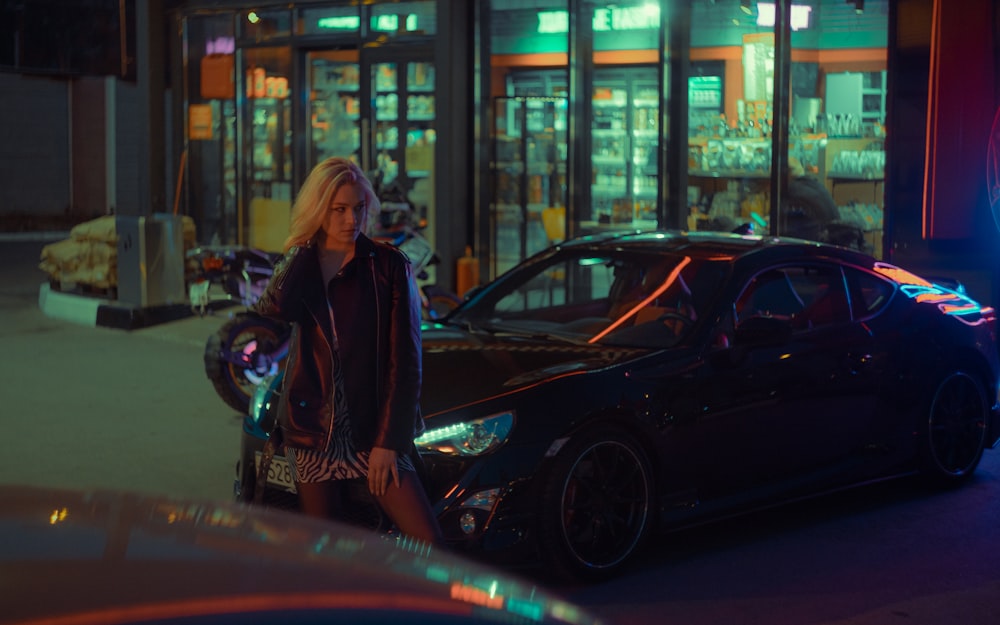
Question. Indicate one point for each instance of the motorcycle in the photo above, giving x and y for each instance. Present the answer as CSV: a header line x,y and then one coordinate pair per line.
x,y
249,348
240,272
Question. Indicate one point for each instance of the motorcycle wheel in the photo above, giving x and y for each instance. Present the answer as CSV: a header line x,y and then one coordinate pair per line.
x,y
439,302
245,334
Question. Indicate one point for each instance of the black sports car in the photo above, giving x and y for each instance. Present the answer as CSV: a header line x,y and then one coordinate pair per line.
x,y
617,384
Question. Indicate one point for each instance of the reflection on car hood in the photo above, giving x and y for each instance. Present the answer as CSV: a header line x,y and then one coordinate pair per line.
x,y
111,557
461,367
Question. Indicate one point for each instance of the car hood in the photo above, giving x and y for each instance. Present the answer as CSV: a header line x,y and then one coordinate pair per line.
x,y
462,367
106,557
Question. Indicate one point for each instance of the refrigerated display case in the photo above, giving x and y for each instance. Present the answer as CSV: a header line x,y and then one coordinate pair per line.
x,y
625,140
529,177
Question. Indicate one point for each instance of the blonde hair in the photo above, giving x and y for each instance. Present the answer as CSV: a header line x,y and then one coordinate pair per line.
x,y
316,193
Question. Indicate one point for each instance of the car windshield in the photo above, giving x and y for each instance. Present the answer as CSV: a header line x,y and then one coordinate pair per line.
x,y
622,298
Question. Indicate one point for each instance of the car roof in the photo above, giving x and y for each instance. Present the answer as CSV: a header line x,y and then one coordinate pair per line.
x,y
719,245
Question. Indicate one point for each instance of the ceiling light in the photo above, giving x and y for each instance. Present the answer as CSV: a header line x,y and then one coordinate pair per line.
x,y
859,6
745,6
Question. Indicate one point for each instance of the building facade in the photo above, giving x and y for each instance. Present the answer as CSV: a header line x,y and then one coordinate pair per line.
x,y
510,124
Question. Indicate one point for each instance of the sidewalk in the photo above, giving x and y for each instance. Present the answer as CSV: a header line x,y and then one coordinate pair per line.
x,y
20,254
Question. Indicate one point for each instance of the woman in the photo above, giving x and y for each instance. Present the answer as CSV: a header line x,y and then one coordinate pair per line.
x,y
352,380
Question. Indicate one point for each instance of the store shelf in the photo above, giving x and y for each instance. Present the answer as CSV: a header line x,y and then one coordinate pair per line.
x,y
835,177
728,173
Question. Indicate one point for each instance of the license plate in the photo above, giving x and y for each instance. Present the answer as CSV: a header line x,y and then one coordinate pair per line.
x,y
279,473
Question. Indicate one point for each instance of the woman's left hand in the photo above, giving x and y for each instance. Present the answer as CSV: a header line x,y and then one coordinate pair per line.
x,y
382,469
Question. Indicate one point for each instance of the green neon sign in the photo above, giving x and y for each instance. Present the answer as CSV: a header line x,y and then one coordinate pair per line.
x,y
606,19
344,22
390,23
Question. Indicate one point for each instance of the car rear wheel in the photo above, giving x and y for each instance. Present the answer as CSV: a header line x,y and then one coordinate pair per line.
x,y
596,504
956,429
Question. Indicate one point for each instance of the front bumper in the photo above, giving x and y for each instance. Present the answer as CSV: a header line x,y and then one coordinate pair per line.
x,y
504,536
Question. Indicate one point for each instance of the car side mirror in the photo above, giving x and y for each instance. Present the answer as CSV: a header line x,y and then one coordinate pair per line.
x,y
760,331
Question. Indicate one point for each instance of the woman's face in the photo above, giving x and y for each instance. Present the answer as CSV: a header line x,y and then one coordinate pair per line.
x,y
345,216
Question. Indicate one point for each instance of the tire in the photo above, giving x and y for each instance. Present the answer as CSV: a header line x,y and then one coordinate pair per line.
x,y
243,333
954,433
596,506
439,302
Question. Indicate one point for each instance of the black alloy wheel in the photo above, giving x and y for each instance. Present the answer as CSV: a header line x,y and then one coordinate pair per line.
x,y
597,504
956,428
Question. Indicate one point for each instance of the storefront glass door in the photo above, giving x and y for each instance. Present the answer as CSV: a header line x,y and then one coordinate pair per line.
x,y
403,131
380,114
624,140
625,117
266,147
529,173
334,106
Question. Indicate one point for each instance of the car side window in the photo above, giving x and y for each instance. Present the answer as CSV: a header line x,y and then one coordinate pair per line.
x,y
807,296
869,293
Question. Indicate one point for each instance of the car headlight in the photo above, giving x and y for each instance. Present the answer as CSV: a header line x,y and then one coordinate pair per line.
x,y
469,438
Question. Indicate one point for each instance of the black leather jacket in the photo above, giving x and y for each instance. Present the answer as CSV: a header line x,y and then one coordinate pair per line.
x,y
377,316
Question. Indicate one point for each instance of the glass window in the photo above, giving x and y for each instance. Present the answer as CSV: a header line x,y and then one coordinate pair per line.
x,y
869,293
836,127
211,132
634,300
808,297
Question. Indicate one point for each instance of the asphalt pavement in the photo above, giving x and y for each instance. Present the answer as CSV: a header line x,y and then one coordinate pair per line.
x,y
88,406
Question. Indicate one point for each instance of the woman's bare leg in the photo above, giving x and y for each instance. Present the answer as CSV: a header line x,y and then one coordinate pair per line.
x,y
410,510
320,499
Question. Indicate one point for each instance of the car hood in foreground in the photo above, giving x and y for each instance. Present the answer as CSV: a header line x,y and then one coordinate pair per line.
x,y
109,557
461,367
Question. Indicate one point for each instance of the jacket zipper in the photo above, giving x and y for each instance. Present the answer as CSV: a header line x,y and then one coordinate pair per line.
x,y
378,332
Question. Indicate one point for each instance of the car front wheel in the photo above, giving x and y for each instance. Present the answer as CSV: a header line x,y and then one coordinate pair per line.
x,y
955,429
596,504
